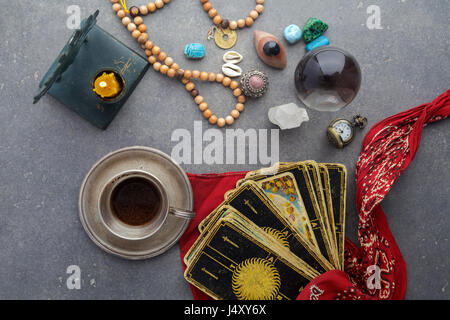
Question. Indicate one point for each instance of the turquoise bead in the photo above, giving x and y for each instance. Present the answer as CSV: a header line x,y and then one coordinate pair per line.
x,y
293,33
319,42
194,51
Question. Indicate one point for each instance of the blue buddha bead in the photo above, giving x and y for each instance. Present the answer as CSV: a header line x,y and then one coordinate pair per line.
x,y
293,33
319,42
194,51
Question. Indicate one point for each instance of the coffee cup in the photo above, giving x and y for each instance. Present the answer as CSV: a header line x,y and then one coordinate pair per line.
x,y
134,205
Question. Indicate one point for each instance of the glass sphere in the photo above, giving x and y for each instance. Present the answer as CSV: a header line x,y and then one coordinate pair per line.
x,y
327,79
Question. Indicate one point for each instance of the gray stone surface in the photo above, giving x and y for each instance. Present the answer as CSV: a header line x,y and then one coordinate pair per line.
x,y
45,149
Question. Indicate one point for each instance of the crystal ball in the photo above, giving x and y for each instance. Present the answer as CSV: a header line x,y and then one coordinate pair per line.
x,y
327,79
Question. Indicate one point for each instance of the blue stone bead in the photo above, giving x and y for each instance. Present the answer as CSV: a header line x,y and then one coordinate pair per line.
x,y
319,42
292,33
194,51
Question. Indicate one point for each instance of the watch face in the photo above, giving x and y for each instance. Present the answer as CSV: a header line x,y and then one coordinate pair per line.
x,y
344,129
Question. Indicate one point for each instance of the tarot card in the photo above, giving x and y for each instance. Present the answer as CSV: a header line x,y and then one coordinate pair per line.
x,y
326,187
270,237
305,185
313,170
338,187
231,263
283,191
252,203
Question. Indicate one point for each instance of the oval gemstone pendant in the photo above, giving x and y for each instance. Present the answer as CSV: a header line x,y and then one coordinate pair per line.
x,y
225,38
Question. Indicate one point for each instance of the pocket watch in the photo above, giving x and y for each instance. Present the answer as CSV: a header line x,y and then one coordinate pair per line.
x,y
341,132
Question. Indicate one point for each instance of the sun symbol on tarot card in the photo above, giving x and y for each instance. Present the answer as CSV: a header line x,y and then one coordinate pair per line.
x,y
256,279
278,236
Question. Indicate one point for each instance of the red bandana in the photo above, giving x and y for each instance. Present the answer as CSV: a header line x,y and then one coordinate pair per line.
x,y
376,270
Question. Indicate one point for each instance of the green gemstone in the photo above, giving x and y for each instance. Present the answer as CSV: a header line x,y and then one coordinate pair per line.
x,y
313,29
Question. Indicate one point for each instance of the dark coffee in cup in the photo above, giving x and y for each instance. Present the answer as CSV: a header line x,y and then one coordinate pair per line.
x,y
136,201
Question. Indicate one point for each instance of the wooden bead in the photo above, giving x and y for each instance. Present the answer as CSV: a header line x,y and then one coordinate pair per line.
x,y
249,21
198,99
143,38
212,77
204,76
159,4
175,66
217,20
138,21
188,74
164,69
142,28
203,1
212,119
149,45
207,113
143,10
157,66
237,92
229,120
234,85
121,14
151,7
185,80
233,25
226,81
166,1
168,61
221,122
259,8
126,21
156,50
219,77
162,56
180,74
134,11
225,24
194,93
212,13
190,86
260,1
235,113
253,14
152,59
148,53
136,34
116,7
131,27
171,73
241,23
207,6
203,106
241,99
195,74
240,107
114,1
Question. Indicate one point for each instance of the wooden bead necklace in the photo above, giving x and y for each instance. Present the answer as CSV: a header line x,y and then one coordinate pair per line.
x,y
166,65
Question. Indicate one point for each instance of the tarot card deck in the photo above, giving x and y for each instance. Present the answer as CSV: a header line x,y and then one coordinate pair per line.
x,y
277,230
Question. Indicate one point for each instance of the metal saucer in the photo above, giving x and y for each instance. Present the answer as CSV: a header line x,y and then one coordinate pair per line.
x,y
146,159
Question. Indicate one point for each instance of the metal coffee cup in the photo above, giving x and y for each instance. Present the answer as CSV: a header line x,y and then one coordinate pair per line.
x,y
129,232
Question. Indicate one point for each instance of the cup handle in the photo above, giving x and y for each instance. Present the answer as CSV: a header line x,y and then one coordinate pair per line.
x,y
188,215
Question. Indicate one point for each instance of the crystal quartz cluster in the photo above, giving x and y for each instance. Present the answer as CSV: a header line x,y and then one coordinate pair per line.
x,y
288,116
327,79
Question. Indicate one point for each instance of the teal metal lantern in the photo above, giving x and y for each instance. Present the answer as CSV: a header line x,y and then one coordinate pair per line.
x,y
90,52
